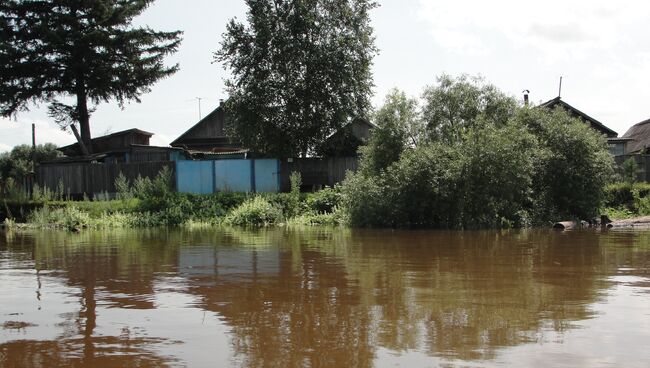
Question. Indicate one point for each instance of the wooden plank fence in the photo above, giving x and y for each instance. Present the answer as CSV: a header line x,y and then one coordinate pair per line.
x,y
642,162
94,178
78,179
316,172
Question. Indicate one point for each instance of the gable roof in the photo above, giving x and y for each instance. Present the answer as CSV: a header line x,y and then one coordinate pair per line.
x,y
557,101
72,149
202,124
639,135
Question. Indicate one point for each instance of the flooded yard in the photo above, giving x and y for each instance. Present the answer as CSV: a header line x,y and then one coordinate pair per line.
x,y
324,297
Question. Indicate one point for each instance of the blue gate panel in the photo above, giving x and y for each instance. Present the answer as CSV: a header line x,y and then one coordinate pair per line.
x,y
195,177
232,175
267,176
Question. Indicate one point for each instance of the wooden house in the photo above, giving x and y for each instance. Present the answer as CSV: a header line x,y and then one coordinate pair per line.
x,y
595,124
208,135
107,143
346,141
130,145
638,138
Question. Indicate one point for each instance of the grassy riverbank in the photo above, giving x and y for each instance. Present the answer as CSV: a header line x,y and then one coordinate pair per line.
x,y
159,207
151,203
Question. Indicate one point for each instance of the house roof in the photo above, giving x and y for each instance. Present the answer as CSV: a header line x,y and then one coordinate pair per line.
x,y
204,120
639,135
103,137
572,110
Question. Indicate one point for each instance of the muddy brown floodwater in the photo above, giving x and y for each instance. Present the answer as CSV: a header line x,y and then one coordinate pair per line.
x,y
319,297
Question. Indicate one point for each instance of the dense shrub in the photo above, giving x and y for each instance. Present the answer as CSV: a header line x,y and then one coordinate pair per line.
x,y
324,201
627,200
68,217
573,165
484,163
256,211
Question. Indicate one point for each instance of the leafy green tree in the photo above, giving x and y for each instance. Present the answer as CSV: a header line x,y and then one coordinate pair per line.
x,y
398,127
17,163
629,169
574,164
301,69
453,106
488,165
53,50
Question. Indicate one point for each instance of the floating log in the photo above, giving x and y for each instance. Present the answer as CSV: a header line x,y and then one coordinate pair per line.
x,y
565,225
633,222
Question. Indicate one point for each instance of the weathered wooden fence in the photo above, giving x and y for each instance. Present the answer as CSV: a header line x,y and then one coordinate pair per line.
x,y
93,178
77,179
642,163
317,171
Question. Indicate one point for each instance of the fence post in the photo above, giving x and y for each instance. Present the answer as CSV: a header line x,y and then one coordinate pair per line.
x,y
253,189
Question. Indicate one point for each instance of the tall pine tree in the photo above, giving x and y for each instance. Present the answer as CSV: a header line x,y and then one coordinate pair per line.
x,y
301,69
86,51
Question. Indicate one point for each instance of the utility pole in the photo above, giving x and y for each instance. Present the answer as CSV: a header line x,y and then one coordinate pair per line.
x,y
33,146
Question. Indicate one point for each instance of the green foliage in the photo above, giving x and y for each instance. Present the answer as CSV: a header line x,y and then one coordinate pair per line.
x,y
68,217
82,49
324,201
484,163
123,187
316,219
256,211
16,164
291,207
573,166
627,200
451,107
629,170
300,71
398,127
153,193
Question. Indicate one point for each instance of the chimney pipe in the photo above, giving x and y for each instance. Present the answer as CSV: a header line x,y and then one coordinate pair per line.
x,y
220,102
526,92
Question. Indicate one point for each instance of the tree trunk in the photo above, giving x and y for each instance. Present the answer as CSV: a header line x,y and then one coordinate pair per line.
x,y
84,116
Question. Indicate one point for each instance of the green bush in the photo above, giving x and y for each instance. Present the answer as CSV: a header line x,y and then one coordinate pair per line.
x,y
623,194
324,201
256,211
68,217
481,166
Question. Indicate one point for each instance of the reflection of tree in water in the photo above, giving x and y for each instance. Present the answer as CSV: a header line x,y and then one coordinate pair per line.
x,y
121,265
340,295
282,316
332,297
111,352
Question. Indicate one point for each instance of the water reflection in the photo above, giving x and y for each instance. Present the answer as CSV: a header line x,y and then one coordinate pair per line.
x,y
302,297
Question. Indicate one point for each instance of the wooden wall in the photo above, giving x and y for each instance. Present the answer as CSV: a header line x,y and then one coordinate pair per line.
x,y
317,171
80,178
88,178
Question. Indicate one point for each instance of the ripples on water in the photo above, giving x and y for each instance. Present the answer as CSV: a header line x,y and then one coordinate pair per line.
x,y
324,297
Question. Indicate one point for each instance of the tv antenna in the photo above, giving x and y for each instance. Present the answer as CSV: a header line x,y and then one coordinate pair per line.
x,y
199,99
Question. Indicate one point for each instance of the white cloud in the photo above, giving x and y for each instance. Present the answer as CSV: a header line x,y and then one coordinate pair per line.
x,y
13,133
160,140
553,26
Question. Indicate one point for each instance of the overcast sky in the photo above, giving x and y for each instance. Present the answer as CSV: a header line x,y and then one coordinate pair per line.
x,y
600,47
